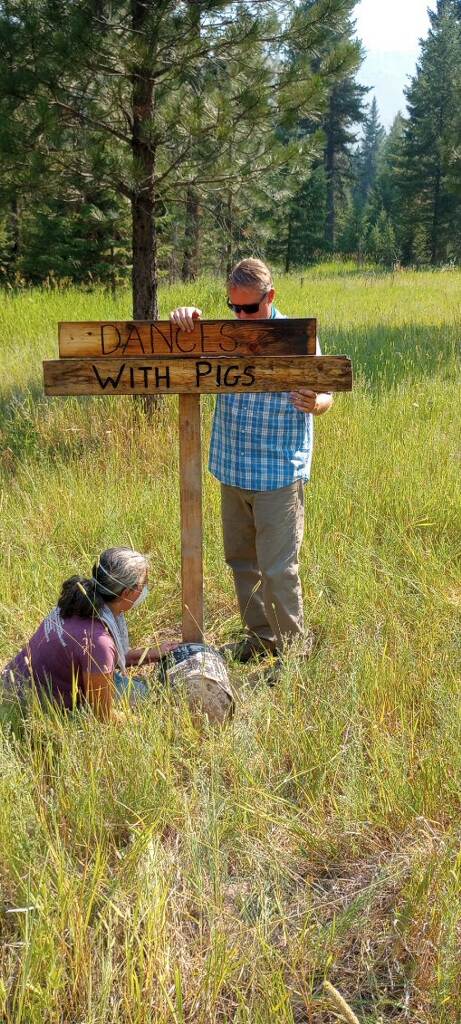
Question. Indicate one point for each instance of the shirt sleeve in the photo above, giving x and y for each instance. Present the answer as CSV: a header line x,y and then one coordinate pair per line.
x,y
101,654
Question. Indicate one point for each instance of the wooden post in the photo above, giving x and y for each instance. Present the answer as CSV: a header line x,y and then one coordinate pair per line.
x,y
190,483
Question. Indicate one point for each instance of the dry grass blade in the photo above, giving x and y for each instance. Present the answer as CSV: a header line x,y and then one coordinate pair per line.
x,y
339,1003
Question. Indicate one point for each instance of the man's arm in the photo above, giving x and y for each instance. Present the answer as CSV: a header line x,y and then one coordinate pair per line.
x,y
306,400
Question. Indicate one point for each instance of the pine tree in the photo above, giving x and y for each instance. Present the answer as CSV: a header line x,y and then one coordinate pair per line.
x,y
368,155
320,185
430,208
380,242
365,164
383,207
345,109
131,97
385,191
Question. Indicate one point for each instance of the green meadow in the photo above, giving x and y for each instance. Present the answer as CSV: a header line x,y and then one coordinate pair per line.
x,y
169,873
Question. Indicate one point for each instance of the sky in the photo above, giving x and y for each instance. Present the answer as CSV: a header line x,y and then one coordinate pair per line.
x,y
390,31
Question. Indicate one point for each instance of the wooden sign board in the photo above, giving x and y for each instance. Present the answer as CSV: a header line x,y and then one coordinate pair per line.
x,y
171,376
218,356
164,338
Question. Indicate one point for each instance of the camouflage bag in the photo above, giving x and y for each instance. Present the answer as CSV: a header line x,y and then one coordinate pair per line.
x,y
200,671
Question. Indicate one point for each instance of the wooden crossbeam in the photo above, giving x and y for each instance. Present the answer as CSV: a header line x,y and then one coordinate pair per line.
x,y
228,375
117,339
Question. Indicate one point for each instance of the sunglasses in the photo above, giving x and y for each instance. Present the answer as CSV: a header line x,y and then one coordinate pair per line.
x,y
248,307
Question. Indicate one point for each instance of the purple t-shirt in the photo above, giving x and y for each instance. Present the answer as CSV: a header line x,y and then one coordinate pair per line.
x,y
58,654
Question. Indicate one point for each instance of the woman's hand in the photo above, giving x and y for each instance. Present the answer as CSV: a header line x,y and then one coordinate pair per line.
x,y
184,316
157,652
118,717
146,655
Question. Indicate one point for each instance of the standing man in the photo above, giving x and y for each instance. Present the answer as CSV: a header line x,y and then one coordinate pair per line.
x,y
261,452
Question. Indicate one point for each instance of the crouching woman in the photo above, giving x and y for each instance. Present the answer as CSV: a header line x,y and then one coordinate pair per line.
x,y
80,652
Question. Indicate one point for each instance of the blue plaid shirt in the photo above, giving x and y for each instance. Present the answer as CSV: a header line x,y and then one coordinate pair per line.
x,y
260,441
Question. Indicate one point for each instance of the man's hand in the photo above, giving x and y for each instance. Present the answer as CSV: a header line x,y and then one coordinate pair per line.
x,y
184,316
306,400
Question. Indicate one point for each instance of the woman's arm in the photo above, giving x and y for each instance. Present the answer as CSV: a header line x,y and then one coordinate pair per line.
x,y
147,655
99,689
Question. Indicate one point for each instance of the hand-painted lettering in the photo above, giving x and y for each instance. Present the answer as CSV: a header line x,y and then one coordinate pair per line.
x,y
186,343
155,345
103,383
227,380
106,346
145,370
133,335
248,372
202,369
162,376
229,342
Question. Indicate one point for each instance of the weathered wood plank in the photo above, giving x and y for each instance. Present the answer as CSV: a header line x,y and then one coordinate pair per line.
x,y
191,376
190,484
163,338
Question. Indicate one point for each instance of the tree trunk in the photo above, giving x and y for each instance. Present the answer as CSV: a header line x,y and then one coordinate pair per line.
x,y
173,265
289,237
15,227
229,222
144,275
435,226
191,236
330,167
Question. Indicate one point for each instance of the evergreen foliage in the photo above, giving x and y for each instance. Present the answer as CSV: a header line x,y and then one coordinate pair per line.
x,y
431,214
169,139
368,156
167,105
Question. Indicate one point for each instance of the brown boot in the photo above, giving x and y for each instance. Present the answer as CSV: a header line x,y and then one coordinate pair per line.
x,y
248,649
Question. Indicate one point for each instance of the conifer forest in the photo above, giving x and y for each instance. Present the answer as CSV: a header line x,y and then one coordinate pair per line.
x,y
155,141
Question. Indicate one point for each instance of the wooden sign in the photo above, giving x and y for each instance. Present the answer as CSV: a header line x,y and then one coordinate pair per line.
x,y
219,356
196,376
165,338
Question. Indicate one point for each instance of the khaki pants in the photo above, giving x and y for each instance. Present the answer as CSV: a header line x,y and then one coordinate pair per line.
x,y
262,532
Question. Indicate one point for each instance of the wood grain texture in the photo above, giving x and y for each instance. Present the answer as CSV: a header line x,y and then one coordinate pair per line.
x,y
209,337
190,483
189,376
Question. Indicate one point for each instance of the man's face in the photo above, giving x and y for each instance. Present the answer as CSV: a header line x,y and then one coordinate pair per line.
x,y
240,296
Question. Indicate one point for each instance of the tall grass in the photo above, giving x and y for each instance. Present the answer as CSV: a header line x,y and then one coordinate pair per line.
x,y
164,873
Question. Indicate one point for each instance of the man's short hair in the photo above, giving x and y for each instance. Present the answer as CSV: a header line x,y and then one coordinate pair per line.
x,y
250,273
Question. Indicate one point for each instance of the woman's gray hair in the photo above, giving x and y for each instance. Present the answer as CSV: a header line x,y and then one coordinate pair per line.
x,y
116,570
